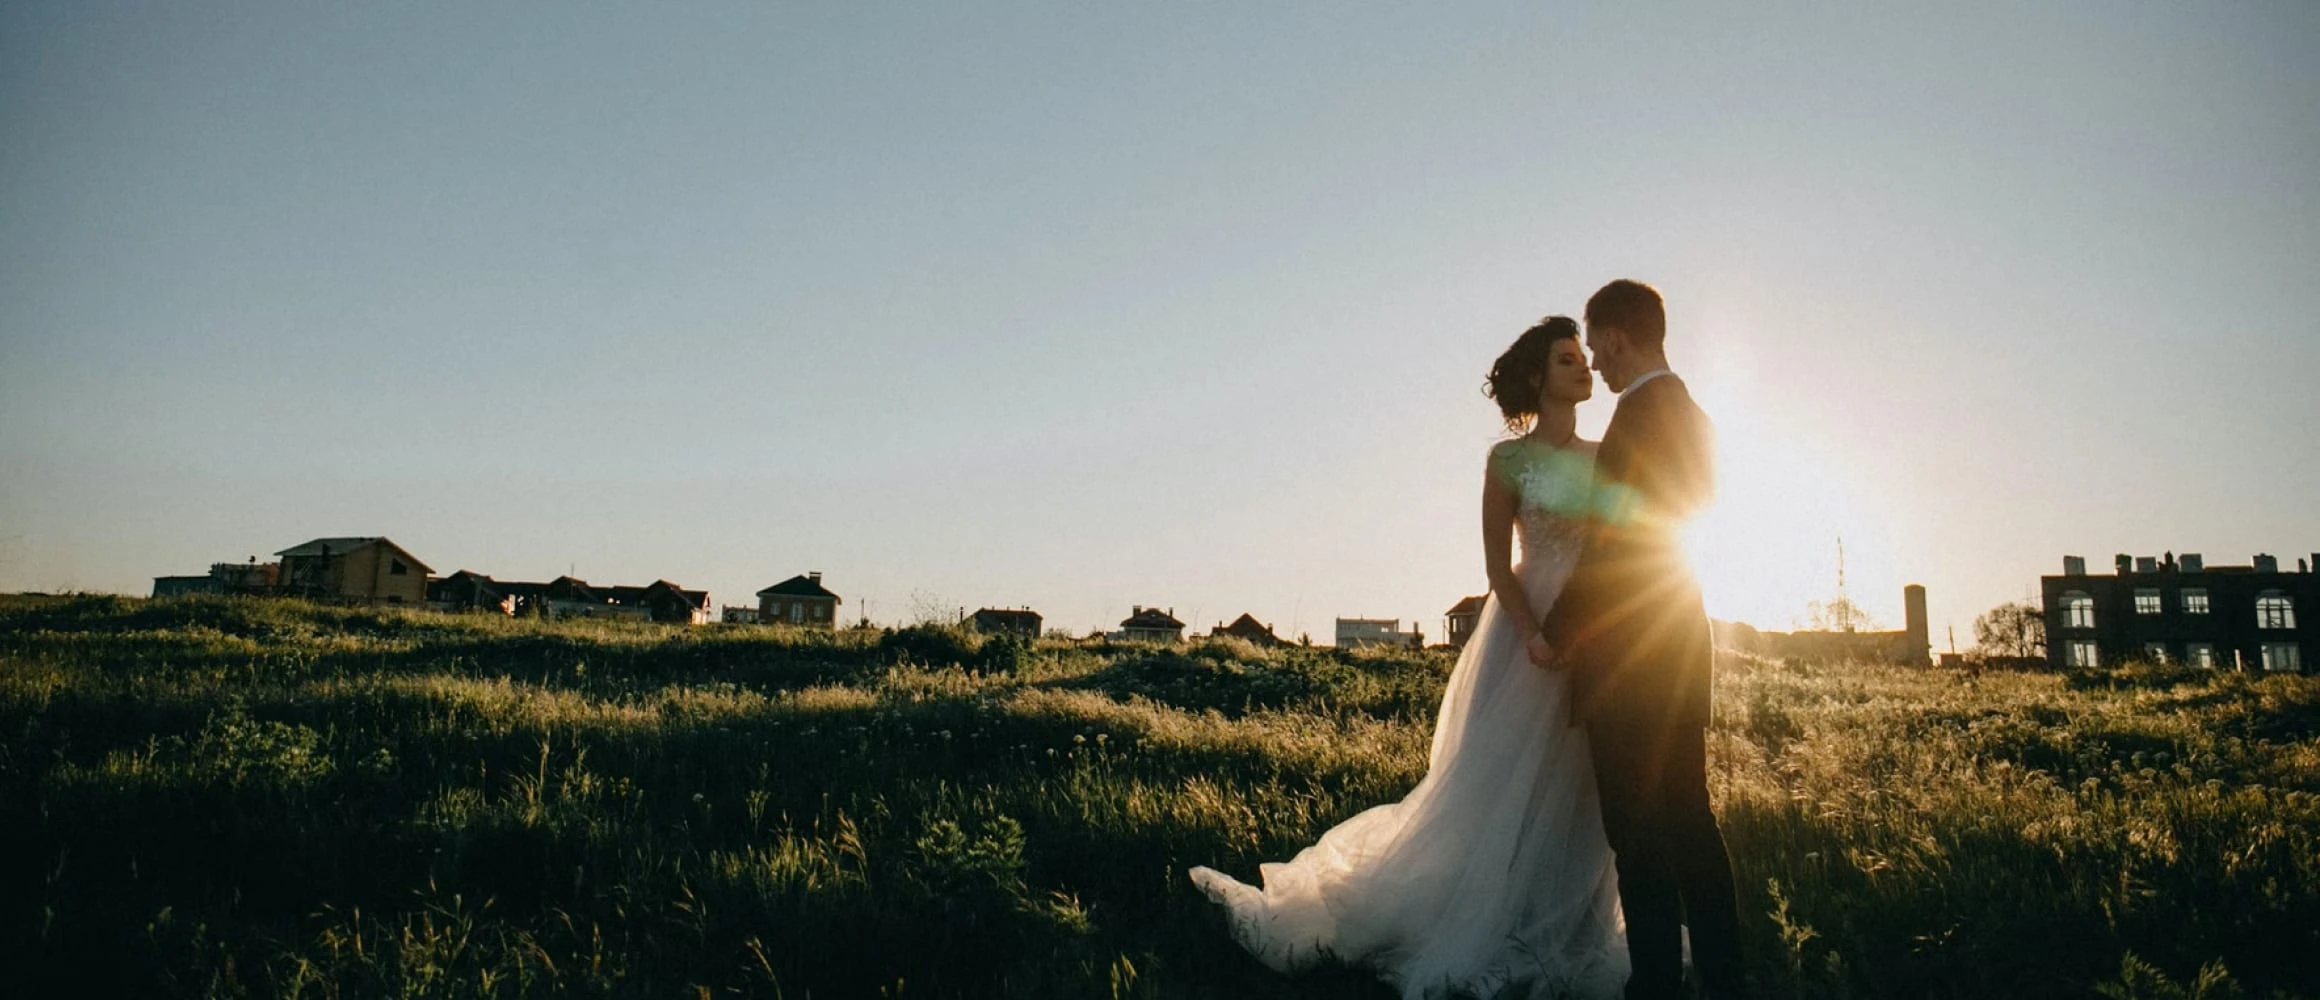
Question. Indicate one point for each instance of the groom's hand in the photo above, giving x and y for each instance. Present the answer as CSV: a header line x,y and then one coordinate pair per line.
x,y
1541,654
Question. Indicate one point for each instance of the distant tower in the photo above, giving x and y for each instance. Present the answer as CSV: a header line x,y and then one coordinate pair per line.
x,y
1920,644
1844,601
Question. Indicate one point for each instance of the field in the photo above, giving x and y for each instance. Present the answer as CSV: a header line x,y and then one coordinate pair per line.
x,y
222,798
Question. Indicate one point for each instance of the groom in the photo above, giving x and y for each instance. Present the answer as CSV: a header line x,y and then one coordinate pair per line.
x,y
1631,629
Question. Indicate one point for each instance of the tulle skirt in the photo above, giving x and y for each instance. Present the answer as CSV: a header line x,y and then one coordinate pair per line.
x,y
1491,878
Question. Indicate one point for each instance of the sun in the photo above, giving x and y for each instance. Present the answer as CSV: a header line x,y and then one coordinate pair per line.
x,y
1767,546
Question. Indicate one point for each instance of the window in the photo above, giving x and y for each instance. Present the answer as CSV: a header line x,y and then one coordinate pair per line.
x,y
2201,655
2083,653
2155,652
797,611
2282,656
2274,610
2077,610
395,567
2194,601
2146,600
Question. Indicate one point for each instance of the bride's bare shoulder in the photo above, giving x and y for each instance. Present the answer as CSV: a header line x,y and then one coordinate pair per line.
x,y
1504,460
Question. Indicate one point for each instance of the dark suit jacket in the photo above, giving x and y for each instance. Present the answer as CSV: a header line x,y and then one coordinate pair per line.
x,y
1630,623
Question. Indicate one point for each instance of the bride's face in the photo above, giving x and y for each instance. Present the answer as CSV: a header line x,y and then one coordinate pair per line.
x,y
1568,380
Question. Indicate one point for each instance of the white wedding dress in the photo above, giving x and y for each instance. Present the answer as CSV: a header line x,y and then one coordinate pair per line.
x,y
1492,877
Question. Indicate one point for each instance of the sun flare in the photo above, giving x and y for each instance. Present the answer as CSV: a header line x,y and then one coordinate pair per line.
x,y
1766,547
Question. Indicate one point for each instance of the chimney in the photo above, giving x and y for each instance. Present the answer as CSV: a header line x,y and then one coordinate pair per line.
x,y
1920,644
2146,564
2192,563
2125,563
2266,563
2074,565
814,575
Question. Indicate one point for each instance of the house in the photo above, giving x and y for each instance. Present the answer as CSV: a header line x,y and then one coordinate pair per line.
x,y
2166,610
1248,627
179,586
1908,647
664,602
1376,632
1459,621
572,597
467,590
1150,625
799,600
733,615
253,577
1007,621
368,569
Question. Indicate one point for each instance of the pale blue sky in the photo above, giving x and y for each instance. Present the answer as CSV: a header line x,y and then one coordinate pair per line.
x,y
1081,306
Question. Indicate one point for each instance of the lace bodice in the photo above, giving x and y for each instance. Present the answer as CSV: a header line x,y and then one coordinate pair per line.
x,y
1553,491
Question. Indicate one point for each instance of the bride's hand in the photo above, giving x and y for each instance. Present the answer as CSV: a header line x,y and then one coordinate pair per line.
x,y
1541,654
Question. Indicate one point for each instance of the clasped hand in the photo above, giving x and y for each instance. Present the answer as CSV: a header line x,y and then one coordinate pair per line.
x,y
1542,654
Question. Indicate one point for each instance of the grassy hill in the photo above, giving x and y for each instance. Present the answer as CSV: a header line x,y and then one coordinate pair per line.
x,y
226,798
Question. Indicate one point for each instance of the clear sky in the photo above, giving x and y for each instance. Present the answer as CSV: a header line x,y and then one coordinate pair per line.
x,y
1079,306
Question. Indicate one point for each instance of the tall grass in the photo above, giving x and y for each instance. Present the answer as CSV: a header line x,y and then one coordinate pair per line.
x,y
216,798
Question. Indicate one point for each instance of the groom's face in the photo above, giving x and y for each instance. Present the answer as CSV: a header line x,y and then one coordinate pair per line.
x,y
1608,346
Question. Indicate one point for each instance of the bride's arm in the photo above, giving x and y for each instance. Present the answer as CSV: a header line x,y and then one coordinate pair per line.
x,y
1497,543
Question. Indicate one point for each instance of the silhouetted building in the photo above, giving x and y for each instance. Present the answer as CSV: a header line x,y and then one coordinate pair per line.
x,y
1248,627
353,569
1353,632
665,602
467,590
252,578
799,600
1460,620
1908,647
572,597
1150,625
1007,621
179,586
2169,610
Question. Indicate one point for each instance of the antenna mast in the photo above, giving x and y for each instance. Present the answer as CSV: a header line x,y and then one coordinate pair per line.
x,y
1844,600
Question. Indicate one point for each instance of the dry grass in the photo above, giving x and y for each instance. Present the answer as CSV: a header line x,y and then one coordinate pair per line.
x,y
244,798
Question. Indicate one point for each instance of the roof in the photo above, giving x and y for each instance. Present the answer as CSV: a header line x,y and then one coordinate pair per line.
x,y
333,545
480,583
800,585
1151,618
1466,606
569,588
343,545
695,598
1248,627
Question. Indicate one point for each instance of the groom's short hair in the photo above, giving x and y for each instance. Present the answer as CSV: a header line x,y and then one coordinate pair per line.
x,y
1631,307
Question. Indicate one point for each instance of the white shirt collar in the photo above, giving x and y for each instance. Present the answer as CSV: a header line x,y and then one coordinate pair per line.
x,y
1645,377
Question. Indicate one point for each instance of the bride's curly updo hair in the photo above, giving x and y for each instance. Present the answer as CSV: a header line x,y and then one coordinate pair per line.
x,y
1518,374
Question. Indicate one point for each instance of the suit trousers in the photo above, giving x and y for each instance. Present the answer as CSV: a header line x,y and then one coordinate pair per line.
x,y
1673,870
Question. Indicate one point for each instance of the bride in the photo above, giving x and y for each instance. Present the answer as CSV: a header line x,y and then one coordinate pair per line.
x,y
1492,877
